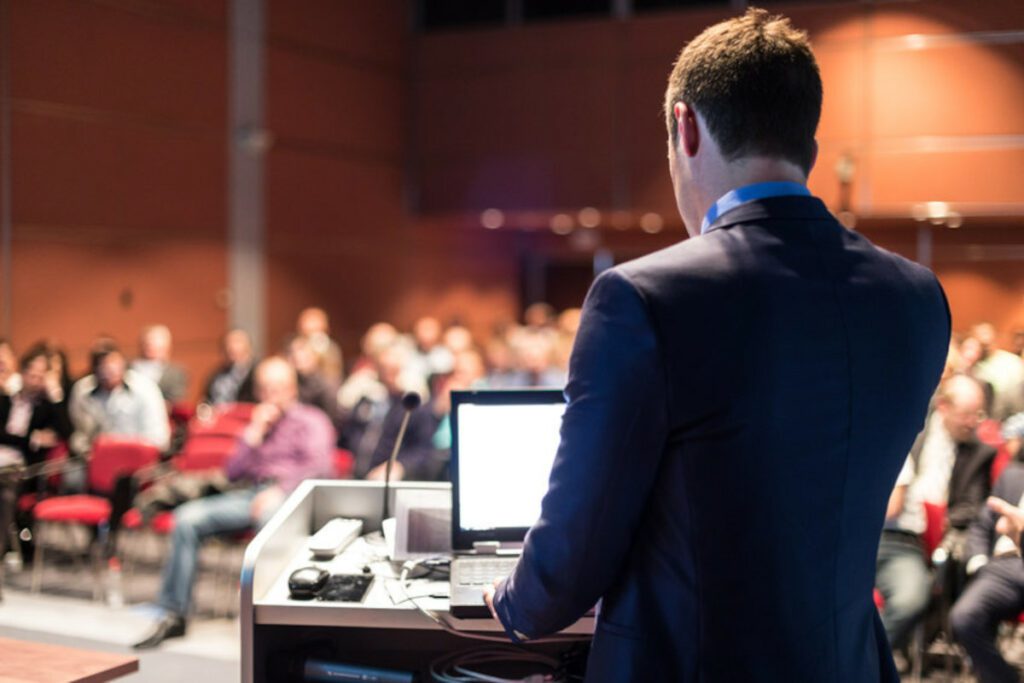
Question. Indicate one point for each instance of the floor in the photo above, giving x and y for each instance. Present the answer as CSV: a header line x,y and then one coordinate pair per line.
x,y
65,613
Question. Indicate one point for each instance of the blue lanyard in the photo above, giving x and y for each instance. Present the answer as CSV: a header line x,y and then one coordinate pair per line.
x,y
748,193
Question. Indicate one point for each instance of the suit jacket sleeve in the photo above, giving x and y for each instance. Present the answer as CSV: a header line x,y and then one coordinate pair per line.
x,y
612,438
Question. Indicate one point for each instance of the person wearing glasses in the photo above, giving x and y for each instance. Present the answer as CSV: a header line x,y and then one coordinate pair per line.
x,y
947,465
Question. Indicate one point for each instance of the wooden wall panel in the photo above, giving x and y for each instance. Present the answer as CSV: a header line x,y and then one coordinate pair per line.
x,y
370,32
167,67
73,290
336,103
138,179
335,203
118,181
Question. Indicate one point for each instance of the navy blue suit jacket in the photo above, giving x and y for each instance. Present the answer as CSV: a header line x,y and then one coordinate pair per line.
x,y
740,405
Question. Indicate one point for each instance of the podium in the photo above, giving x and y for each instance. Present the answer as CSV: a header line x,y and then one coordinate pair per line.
x,y
386,629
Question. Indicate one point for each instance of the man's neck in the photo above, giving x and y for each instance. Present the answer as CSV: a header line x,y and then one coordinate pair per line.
x,y
743,172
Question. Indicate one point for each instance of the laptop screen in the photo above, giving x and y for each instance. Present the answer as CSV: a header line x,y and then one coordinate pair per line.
x,y
503,445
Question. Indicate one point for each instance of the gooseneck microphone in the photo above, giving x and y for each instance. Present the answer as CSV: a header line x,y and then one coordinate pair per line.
x,y
410,402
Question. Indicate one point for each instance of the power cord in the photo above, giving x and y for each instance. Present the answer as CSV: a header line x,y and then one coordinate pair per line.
x,y
455,668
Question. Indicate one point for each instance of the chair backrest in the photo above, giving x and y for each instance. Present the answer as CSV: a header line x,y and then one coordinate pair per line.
x,y
112,458
935,521
229,419
203,452
990,433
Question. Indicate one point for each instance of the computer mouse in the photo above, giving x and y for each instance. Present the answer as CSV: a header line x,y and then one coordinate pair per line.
x,y
305,583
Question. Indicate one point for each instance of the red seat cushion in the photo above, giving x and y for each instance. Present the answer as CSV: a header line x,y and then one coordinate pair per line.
x,y
131,519
163,523
80,509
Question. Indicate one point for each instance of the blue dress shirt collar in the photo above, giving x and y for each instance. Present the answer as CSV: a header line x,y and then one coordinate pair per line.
x,y
748,193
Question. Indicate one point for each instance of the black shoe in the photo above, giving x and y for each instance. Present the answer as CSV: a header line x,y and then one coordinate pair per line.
x,y
171,626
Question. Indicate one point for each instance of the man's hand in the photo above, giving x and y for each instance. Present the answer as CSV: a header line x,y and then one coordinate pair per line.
x,y
264,503
489,598
43,438
1011,522
378,472
264,416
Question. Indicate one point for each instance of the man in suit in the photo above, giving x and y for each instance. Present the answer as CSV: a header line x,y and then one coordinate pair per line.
x,y
739,406
996,591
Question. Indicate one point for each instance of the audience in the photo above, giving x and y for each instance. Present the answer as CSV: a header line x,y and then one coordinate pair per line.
x,y
315,386
31,423
154,362
372,427
306,411
996,591
10,380
947,465
314,325
284,443
116,401
232,381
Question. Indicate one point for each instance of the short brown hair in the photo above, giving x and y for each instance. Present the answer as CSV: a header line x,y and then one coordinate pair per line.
x,y
756,83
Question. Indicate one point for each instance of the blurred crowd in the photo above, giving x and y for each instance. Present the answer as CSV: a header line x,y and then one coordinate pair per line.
x,y
306,413
145,395
942,558
946,568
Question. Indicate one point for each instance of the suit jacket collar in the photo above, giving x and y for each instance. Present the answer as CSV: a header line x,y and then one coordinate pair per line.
x,y
771,208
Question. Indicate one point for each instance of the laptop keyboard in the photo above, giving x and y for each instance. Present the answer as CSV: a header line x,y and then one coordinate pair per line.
x,y
482,572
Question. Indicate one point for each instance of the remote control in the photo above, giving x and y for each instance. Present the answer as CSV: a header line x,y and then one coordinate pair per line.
x,y
335,536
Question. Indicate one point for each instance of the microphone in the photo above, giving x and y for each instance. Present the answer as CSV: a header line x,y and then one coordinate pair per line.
x,y
410,402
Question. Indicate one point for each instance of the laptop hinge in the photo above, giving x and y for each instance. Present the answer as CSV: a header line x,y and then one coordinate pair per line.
x,y
486,547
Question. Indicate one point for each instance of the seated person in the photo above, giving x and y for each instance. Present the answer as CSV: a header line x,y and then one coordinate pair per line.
x,y
231,382
946,466
114,401
30,425
154,362
315,327
285,442
996,590
10,380
315,388
372,426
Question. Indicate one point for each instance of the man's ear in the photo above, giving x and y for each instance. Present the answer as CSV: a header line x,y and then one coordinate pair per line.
x,y
687,129
814,157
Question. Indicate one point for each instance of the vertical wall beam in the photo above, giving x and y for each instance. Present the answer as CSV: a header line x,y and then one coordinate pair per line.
x,y
6,278
247,144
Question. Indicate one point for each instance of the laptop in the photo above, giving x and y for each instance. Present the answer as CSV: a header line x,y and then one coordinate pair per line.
x,y
503,445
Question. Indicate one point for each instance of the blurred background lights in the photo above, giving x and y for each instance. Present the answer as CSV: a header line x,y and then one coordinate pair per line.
x,y
561,224
651,222
492,219
589,217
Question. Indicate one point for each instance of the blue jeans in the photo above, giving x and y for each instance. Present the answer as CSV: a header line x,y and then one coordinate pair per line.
x,y
195,521
903,580
996,594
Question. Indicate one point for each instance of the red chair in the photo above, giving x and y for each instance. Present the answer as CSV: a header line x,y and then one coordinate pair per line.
x,y
990,433
344,464
230,419
111,458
